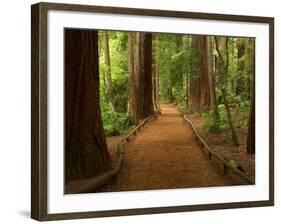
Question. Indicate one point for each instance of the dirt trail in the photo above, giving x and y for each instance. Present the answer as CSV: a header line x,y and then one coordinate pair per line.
x,y
165,155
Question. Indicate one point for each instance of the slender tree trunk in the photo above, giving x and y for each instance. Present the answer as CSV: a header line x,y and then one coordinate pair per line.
x,y
252,127
154,85
144,74
240,86
86,153
222,50
157,86
221,42
212,85
250,52
132,78
188,71
155,74
108,70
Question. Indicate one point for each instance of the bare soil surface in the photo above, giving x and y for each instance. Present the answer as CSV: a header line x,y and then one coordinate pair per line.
x,y
165,155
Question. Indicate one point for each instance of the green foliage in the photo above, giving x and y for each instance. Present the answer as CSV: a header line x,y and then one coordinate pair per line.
x,y
182,107
214,126
172,57
178,63
114,123
211,126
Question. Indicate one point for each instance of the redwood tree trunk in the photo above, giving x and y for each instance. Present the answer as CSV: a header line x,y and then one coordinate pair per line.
x,y
86,153
144,75
251,145
251,131
195,79
132,78
205,87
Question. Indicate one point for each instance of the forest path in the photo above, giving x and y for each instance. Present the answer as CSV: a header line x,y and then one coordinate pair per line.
x,y
165,155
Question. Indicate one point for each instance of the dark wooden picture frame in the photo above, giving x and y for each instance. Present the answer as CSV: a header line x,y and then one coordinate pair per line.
x,y
39,105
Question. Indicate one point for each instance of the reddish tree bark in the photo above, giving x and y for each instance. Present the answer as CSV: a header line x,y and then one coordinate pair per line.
x,y
205,87
195,76
144,75
251,140
86,153
199,90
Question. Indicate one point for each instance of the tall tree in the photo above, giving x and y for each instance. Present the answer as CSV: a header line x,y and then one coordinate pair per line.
x,y
86,152
211,78
195,71
132,78
205,87
154,85
108,70
155,77
241,49
251,128
199,81
144,74
188,46
222,50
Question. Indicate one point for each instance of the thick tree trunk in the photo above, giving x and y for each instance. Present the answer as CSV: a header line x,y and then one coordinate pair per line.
x,y
108,70
86,153
251,129
251,145
205,97
195,76
144,75
132,78
199,91
211,78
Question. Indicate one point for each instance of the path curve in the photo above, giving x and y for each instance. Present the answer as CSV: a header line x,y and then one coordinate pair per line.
x,y
165,155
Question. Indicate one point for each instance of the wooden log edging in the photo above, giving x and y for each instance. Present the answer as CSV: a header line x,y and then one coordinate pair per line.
x,y
96,182
211,153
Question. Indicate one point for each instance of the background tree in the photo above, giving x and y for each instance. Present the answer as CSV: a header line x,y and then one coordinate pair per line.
x,y
212,81
205,86
108,70
197,78
155,76
132,79
251,127
144,74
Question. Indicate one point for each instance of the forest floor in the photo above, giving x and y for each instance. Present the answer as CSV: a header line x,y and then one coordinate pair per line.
x,y
221,142
165,155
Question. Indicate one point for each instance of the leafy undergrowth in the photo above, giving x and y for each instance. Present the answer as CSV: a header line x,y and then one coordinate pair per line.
x,y
114,123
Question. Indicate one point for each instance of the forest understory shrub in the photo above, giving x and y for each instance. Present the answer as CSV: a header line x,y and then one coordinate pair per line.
x,y
114,123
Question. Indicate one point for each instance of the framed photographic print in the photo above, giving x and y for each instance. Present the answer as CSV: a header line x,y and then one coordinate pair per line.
x,y
139,111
